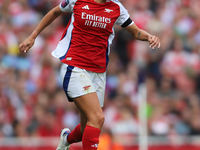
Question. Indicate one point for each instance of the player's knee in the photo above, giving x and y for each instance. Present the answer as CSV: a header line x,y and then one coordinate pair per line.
x,y
97,120
101,120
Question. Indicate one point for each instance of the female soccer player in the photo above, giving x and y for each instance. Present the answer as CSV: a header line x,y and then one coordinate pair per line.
x,y
84,50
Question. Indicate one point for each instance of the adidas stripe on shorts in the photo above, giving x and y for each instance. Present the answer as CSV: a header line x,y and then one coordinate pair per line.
x,y
78,82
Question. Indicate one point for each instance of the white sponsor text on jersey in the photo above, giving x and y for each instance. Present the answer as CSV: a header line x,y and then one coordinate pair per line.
x,y
95,18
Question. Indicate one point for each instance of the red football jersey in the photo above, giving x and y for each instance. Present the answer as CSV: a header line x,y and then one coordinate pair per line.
x,y
89,34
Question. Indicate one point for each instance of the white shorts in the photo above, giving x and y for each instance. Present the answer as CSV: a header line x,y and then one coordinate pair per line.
x,y
78,82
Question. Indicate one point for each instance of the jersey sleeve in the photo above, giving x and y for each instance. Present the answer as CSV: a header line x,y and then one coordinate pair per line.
x,y
67,5
124,16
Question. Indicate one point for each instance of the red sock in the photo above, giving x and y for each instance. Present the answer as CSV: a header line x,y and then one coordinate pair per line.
x,y
75,135
90,138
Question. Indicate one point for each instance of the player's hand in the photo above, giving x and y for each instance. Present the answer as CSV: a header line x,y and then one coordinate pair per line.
x,y
153,41
26,45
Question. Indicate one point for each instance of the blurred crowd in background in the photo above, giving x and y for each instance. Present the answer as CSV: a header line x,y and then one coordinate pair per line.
x,y
32,101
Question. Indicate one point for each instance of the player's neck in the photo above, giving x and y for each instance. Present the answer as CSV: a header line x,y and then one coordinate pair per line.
x,y
100,1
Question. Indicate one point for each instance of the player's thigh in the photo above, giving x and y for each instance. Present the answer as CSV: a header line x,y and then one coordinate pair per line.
x,y
90,106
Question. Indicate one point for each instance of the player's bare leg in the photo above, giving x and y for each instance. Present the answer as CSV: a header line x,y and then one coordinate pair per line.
x,y
83,121
90,107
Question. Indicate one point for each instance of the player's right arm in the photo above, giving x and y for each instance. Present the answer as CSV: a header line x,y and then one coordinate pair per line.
x,y
48,19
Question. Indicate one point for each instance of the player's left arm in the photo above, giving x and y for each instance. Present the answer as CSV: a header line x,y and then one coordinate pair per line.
x,y
142,35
